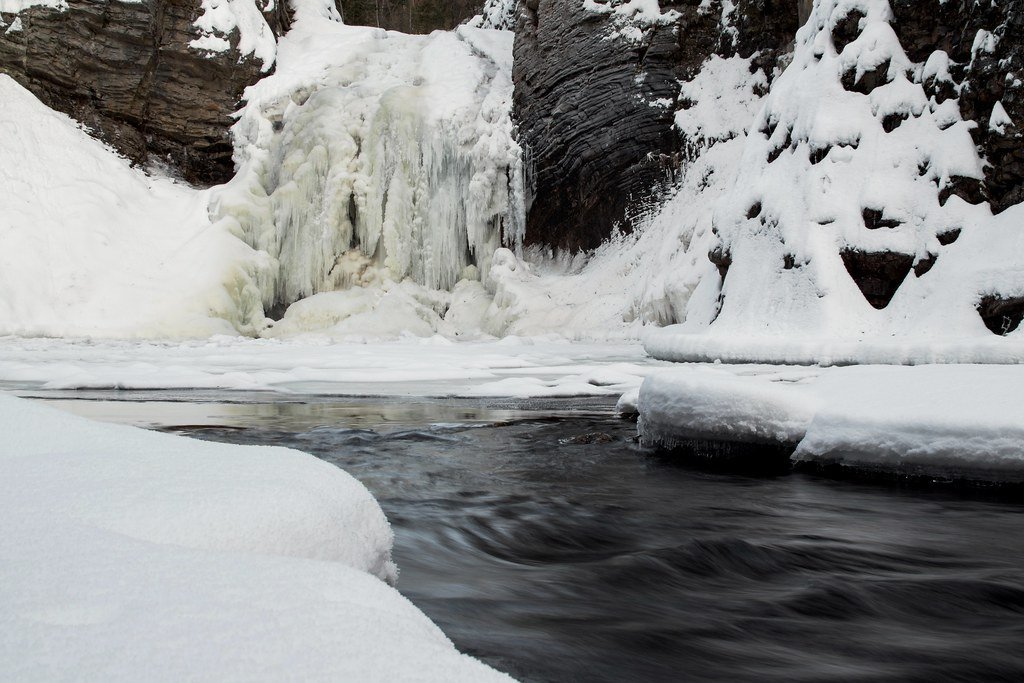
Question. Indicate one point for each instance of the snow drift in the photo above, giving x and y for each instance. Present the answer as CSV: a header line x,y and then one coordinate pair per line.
x,y
94,247
135,555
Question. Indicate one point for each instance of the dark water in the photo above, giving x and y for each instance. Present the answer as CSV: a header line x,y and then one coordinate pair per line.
x,y
557,549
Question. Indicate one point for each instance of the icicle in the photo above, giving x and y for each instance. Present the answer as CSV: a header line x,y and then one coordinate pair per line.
x,y
400,157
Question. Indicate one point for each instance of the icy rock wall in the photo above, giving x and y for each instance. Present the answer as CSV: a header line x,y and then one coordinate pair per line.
x,y
858,212
156,79
597,88
409,16
372,155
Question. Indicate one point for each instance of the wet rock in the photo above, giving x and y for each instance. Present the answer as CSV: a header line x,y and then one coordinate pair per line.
x,y
722,259
948,237
846,29
409,16
873,220
1001,315
924,265
877,274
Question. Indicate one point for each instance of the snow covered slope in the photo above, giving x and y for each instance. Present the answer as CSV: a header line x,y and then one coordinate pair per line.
x,y
847,234
133,555
93,247
366,159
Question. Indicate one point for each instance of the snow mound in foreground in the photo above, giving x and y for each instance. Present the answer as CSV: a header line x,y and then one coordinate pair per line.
x,y
133,555
945,420
93,247
848,233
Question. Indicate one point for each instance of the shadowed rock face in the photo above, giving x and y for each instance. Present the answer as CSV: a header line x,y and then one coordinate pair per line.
x,y
596,111
125,71
409,16
984,78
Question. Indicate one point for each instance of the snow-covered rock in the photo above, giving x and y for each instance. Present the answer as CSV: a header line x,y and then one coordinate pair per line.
x,y
134,555
847,233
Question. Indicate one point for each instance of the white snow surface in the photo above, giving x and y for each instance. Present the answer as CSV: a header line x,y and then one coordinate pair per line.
x,y
94,247
945,420
433,366
784,221
134,555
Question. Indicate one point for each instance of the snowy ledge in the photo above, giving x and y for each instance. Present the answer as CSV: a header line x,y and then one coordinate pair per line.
x,y
133,555
668,343
950,421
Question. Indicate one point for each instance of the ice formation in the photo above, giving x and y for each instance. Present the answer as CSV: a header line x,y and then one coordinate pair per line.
x,y
373,156
845,235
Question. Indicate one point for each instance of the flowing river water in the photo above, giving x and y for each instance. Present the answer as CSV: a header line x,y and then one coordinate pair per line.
x,y
543,539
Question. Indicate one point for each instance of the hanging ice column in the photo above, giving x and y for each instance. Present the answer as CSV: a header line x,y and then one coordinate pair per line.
x,y
373,155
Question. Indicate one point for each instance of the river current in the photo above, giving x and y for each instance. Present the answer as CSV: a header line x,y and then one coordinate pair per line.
x,y
547,542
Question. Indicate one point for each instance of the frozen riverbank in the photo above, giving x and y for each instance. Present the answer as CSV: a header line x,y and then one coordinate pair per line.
x,y
134,555
951,421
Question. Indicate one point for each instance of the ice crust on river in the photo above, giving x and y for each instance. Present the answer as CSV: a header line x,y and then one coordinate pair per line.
x,y
134,555
941,420
433,366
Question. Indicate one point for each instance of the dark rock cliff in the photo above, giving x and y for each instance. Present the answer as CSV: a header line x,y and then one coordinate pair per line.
x,y
126,71
596,107
409,16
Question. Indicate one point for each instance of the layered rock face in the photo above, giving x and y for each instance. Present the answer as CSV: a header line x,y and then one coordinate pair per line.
x,y
597,88
409,16
128,73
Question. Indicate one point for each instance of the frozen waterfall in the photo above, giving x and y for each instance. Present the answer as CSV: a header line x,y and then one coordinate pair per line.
x,y
373,155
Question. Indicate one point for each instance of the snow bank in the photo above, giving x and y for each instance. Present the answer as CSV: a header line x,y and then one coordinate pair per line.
x,y
371,157
93,247
843,236
133,555
940,420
